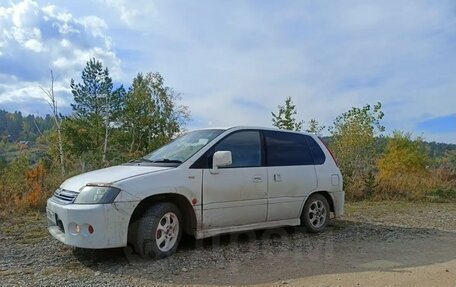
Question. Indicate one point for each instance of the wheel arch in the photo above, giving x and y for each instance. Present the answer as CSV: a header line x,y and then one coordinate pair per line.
x,y
327,196
182,203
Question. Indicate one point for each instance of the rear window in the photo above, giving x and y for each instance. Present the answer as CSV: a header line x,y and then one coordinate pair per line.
x,y
284,149
317,154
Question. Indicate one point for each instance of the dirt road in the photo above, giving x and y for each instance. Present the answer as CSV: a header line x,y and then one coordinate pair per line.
x,y
375,244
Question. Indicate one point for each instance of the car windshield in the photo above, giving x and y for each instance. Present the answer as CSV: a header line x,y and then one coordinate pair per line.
x,y
183,147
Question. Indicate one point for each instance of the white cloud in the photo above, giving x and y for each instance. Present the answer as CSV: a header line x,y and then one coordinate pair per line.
x,y
35,39
133,13
328,57
236,61
94,25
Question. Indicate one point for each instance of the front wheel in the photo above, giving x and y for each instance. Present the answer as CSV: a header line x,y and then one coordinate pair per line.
x,y
159,231
315,215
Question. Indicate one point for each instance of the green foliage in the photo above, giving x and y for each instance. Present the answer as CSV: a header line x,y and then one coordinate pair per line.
x,y
444,194
94,97
448,161
152,115
354,145
402,168
402,156
12,180
16,127
96,110
285,118
314,127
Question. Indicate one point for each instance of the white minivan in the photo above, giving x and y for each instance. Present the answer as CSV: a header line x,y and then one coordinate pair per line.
x,y
204,183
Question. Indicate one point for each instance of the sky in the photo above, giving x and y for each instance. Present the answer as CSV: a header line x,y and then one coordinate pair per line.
x,y
235,61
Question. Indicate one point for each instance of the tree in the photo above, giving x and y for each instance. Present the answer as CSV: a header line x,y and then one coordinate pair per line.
x,y
57,121
152,115
402,156
285,118
402,168
97,106
353,143
449,161
314,127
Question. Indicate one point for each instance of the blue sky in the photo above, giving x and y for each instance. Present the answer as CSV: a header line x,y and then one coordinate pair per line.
x,y
235,61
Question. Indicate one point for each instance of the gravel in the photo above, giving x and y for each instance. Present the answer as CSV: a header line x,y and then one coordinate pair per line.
x,y
31,257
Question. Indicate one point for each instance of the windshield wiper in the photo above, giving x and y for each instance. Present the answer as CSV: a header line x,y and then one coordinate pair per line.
x,y
167,160
141,160
164,160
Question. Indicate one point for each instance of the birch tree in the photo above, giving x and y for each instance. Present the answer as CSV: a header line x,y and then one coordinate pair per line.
x,y
152,114
52,102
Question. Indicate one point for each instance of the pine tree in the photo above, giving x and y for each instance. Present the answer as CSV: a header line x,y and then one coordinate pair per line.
x,y
97,106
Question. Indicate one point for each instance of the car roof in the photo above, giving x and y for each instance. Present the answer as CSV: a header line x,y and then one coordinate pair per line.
x,y
235,128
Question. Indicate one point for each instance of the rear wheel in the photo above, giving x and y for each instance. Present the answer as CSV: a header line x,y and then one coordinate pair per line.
x,y
159,231
315,215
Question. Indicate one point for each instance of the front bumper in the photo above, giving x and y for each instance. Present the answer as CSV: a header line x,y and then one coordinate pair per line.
x,y
109,222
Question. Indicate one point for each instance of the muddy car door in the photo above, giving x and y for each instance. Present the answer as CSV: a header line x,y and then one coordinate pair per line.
x,y
236,194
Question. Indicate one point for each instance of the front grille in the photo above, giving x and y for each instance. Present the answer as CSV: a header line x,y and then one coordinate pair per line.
x,y
65,196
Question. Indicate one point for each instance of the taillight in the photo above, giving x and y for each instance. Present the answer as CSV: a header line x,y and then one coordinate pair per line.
x,y
330,152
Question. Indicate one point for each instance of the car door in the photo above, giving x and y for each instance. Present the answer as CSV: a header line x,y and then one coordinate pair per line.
x,y
237,194
291,173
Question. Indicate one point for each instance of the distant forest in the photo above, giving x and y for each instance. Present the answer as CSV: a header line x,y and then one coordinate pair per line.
x,y
16,129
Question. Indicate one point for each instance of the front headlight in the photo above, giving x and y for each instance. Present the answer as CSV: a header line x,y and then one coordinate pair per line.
x,y
97,194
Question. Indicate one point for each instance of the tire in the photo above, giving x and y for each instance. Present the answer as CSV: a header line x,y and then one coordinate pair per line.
x,y
315,215
159,231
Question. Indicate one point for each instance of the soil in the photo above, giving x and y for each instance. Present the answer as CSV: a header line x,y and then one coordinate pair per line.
x,y
374,244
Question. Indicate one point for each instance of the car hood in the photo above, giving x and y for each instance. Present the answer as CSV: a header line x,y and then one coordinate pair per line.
x,y
108,175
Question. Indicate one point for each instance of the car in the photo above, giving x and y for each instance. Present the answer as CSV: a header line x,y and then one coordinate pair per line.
x,y
204,183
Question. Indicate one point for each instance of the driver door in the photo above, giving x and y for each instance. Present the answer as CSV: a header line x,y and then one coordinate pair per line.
x,y
237,194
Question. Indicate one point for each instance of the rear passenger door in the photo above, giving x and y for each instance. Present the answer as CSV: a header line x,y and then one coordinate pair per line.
x,y
291,173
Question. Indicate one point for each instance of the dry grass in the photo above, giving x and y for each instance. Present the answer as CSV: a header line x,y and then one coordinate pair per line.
x,y
421,214
29,227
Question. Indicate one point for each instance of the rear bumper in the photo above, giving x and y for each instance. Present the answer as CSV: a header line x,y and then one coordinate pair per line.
x,y
109,222
338,198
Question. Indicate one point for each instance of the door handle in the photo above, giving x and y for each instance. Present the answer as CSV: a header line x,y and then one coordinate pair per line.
x,y
277,177
257,178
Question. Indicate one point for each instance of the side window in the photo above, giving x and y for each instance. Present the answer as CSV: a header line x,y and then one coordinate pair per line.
x,y
284,149
317,154
245,147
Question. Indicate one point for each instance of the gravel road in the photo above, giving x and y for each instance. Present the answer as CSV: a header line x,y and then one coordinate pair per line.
x,y
373,239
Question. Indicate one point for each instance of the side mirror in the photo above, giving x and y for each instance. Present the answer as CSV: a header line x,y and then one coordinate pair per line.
x,y
221,159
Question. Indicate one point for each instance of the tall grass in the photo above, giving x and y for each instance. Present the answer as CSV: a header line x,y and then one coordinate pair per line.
x,y
437,184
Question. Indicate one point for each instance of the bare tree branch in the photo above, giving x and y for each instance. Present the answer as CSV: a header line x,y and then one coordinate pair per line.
x,y
52,102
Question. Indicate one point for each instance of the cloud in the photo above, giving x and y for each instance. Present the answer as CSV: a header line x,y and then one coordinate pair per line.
x,y
35,39
327,56
132,13
234,62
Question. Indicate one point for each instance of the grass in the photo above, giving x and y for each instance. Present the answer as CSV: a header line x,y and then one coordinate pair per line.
x,y
379,208
392,211
28,228
442,195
